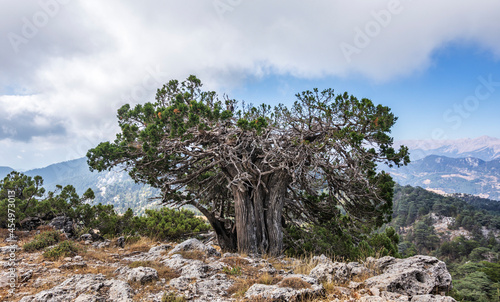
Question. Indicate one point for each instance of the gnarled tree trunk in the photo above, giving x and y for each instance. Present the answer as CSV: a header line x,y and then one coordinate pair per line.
x,y
258,216
226,234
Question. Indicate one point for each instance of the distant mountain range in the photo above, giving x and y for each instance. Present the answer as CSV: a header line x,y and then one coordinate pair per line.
x,y
470,166
443,174
111,187
484,147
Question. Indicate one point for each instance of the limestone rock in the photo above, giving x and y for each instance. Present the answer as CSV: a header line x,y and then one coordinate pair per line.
x,y
26,276
78,288
142,274
119,291
86,298
120,242
101,245
211,289
6,279
279,292
418,275
331,272
159,249
86,237
30,223
181,283
63,224
73,265
371,299
195,244
432,298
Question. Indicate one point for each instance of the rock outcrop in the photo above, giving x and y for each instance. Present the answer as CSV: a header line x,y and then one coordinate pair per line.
x,y
418,275
197,272
78,287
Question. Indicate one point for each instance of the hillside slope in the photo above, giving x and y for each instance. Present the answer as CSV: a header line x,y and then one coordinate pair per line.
x,y
452,175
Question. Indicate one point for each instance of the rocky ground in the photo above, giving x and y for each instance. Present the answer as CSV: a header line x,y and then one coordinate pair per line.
x,y
194,271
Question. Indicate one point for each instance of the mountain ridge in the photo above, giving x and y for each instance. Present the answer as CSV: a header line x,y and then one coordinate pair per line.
x,y
484,147
452,175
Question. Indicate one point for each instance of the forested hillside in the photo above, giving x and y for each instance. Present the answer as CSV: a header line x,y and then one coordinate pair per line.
x,y
452,175
111,187
462,230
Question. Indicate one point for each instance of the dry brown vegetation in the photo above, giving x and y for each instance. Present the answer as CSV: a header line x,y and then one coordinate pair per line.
x,y
295,283
194,255
163,271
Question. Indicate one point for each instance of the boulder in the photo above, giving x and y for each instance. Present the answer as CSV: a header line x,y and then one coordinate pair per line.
x,y
30,223
180,283
159,249
195,244
154,254
142,274
120,242
211,289
119,291
73,265
89,287
26,276
101,245
7,278
281,292
417,275
63,224
86,237
331,272
432,298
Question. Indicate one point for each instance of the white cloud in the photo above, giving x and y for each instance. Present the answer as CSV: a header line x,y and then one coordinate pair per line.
x,y
93,56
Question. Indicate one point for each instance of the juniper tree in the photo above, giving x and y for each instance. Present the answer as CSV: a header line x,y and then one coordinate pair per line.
x,y
250,169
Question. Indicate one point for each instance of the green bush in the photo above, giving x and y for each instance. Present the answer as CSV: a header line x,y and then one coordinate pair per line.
x,y
63,249
42,241
338,238
235,271
169,224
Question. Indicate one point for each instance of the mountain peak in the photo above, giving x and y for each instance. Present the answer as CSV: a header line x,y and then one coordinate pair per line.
x,y
484,147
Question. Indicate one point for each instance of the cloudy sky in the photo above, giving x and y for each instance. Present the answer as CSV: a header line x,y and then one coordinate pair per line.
x,y
66,66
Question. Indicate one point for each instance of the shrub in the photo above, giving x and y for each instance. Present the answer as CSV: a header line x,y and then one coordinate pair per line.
x,y
168,224
42,241
235,271
63,249
268,279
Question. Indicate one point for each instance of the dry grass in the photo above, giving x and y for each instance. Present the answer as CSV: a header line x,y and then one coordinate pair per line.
x,y
142,245
268,279
96,255
240,287
194,255
295,283
236,261
163,270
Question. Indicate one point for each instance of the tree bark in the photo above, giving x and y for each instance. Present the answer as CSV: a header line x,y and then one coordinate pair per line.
x,y
258,216
246,228
275,201
226,236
